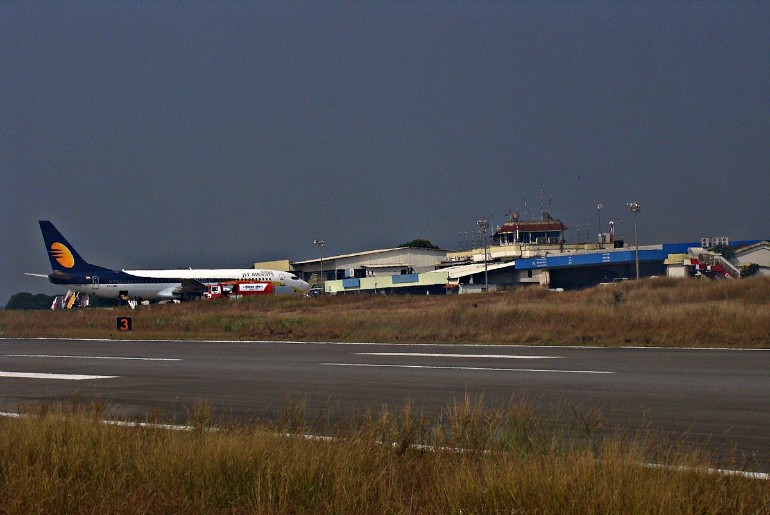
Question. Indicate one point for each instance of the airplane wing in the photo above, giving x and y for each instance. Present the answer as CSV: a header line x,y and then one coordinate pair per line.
x,y
36,275
190,287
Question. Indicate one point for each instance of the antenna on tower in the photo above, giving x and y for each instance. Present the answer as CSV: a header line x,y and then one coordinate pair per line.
x,y
541,196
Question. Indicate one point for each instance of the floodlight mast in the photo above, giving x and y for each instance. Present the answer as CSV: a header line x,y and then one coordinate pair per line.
x,y
634,207
484,225
320,243
600,237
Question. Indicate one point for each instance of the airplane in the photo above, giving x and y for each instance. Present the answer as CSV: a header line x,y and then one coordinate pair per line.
x,y
75,273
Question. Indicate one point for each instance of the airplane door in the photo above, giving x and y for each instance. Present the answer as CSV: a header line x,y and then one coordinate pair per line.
x,y
95,282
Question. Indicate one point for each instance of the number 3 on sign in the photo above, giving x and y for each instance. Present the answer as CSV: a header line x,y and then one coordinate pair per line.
x,y
124,323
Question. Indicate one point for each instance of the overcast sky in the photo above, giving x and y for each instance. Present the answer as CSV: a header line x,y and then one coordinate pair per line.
x,y
165,134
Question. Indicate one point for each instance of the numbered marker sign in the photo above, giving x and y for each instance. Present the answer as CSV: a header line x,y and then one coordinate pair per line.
x,y
124,323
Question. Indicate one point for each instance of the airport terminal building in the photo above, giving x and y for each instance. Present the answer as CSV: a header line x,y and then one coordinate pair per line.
x,y
524,253
372,263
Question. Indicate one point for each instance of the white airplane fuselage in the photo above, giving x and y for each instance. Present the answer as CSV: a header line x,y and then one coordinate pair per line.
x,y
73,272
168,284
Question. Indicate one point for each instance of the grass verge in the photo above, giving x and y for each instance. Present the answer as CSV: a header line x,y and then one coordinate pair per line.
x,y
652,312
66,461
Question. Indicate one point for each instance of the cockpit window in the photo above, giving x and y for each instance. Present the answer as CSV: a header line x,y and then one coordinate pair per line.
x,y
294,278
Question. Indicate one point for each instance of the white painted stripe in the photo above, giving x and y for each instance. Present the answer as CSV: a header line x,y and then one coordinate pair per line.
x,y
70,356
439,355
405,344
556,371
723,472
66,377
422,447
124,423
149,425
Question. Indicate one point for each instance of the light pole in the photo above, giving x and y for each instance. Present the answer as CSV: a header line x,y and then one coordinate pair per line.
x,y
320,244
599,215
484,225
634,208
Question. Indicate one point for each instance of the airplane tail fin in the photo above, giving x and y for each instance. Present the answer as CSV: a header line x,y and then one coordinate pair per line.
x,y
63,256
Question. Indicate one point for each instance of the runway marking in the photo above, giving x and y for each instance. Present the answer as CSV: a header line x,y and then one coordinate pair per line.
x,y
129,358
66,377
555,371
320,438
439,355
464,345
709,470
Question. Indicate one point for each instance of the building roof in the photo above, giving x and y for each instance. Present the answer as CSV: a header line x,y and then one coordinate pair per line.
x,y
751,248
370,253
387,265
456,272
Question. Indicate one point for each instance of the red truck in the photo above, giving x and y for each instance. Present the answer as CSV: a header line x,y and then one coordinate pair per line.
x,y
237,289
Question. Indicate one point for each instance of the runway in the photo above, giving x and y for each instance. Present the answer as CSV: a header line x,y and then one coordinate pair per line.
x,y
720,398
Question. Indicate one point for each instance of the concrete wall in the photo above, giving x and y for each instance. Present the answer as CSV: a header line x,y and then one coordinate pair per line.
x,y
678,271
541,277
759,255
426,280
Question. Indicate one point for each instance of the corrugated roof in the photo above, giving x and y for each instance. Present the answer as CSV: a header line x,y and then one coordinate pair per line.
x,y
367,253
750,248
456,272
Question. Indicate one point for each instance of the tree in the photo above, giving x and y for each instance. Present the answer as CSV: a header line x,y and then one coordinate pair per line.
x,y
25,300
418,244
749,269
727,251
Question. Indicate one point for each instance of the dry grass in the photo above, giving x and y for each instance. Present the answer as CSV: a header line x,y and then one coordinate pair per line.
x,y
66,461
660,312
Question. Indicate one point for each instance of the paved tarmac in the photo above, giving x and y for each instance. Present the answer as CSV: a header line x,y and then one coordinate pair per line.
x,y
716,398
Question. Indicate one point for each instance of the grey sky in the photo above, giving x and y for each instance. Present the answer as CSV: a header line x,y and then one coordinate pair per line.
x,y
222,133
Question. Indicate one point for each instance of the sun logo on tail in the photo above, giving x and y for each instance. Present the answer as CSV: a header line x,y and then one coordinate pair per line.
x,y
62,255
